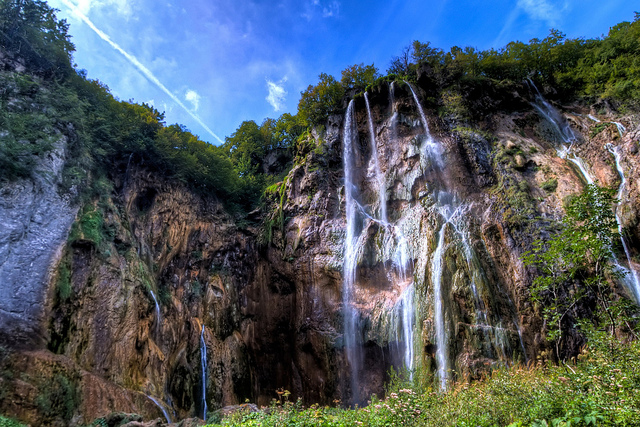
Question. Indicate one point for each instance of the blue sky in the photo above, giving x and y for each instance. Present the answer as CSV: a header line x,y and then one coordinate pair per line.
x,y
210,64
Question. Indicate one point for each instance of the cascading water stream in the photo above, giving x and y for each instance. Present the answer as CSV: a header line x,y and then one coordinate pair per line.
x,y
203,363
425,124
404,306
382,197
164,411
553,116
394,112
631,278
442,361
350,251
158,319
620,127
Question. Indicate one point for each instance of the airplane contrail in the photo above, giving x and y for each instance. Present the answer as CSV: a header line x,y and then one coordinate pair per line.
x,y
134,61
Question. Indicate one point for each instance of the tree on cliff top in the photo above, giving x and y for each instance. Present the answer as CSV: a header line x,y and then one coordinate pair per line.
x,y
318,101
30,30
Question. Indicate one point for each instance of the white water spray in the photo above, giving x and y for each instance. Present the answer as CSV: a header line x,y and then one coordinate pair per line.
x,y
620,127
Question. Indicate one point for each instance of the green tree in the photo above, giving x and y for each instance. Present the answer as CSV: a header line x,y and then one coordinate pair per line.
x,y
575,262
30,30
318,101
247,147
359,76
424,53
401,64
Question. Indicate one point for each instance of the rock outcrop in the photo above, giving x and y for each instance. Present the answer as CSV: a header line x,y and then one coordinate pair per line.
x,y
35,217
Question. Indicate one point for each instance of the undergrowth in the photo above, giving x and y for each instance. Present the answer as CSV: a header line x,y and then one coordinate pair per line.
x,y
600,388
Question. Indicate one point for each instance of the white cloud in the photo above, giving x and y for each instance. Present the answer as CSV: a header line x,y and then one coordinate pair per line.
x,y
277,94
193,97
323,8
549,11
331,10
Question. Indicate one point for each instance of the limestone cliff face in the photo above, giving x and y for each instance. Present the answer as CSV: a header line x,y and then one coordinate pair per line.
x,y
34,221
151,271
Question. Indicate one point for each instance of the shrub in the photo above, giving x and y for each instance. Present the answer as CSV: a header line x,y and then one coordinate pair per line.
x,y
550,185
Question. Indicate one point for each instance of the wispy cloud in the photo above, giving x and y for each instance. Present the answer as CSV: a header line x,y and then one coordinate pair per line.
x,y
277,94
500,40
122,7
331,10
323,8
193,97
138,65
549,11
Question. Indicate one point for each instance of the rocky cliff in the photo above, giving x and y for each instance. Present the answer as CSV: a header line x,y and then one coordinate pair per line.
x,y
157,301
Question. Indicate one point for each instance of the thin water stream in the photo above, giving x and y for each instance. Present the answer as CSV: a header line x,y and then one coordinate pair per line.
x,y
162,408
203,363
631,279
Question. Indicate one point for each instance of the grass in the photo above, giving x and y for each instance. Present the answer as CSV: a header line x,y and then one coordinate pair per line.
x,y
600,388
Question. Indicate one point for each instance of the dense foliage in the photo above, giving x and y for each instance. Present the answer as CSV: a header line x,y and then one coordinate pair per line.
x,y
575,263
607,67
29,29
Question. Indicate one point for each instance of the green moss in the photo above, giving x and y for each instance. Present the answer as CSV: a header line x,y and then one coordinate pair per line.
x,y
88,227
58,398
63,288
550,185
9,422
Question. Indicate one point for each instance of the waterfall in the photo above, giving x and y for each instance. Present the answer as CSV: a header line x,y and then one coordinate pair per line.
x,y
164,411
203,363
394,244
563,130
620,127
378,175
425,124
632,282
582,167
394,112
438,306
158,319
404,309
350,250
